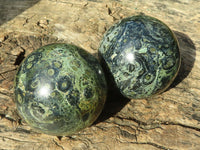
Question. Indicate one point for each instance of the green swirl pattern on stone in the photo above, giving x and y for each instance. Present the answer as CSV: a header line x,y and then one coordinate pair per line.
x,y
142,54
60,89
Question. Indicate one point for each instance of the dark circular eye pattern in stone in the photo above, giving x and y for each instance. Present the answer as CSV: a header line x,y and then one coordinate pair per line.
x,y
142,55
64,84
50,93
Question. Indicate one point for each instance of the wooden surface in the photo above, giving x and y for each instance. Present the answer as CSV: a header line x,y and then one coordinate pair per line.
x,y
168,121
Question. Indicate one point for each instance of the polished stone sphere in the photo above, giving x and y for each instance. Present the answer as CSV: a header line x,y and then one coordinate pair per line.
x,y
142,55
60,89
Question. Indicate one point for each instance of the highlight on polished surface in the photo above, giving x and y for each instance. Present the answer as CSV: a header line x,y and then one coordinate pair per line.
x,y
60,89
142,54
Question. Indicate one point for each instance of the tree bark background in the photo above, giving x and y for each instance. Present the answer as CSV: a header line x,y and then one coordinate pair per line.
x,y
170,120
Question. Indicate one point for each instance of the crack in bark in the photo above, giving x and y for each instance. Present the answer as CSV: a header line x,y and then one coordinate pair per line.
x,y
6,93
158,125
2,116
27,20
133,119
8,118
182,125
20,57
21,130
148,143
7,71
152,144
16,140
2,76
56,143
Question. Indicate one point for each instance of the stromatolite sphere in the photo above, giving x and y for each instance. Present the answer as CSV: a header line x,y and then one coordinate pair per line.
x,y
142,55
60,89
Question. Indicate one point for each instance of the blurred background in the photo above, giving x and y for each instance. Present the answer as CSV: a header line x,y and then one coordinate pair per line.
x,y
9,9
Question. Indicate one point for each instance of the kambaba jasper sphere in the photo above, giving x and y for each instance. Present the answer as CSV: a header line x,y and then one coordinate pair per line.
x,y
60,89
142,55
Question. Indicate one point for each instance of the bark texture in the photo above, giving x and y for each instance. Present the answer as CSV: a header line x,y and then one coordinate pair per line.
x,y
169,121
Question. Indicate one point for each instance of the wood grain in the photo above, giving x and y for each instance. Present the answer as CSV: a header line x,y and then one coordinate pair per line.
x,y
169,121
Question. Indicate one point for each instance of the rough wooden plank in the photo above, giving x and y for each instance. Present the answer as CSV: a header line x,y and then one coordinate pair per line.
x,y
168,121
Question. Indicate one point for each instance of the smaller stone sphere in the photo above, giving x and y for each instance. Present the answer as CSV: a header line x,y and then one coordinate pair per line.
x,y
142,55
60,89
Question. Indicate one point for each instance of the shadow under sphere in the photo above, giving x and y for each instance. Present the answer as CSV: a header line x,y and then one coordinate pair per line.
x,y
188,56
115,100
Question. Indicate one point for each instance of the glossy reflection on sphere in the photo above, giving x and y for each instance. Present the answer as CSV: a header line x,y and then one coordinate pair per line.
x,y
60,89
142,55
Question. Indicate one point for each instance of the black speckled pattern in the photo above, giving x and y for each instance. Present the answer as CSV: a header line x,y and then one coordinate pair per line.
x,y
142,54
60,89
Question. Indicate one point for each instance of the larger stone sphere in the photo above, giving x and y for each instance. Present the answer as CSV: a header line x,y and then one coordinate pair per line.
x,y
142,55
60,89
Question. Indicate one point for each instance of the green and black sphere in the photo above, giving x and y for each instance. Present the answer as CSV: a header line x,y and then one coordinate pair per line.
x,y
60,89
142,54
